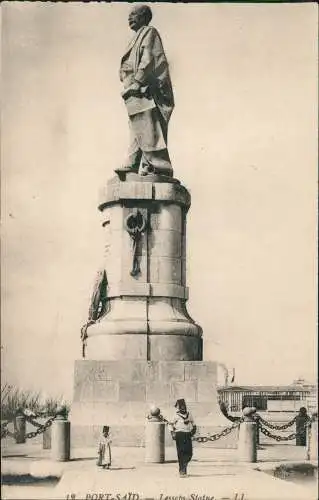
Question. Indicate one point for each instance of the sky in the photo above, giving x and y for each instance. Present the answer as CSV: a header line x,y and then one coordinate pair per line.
x,y
242,139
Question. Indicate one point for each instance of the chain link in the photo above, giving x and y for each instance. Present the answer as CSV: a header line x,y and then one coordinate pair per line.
x,y
5,431
29,435
32,421
215,437
41,428
267,433
273,426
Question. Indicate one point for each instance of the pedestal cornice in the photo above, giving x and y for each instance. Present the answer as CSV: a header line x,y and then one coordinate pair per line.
x,y
150,187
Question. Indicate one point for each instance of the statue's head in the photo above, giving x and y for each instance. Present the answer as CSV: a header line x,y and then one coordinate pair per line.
x,y
303,411
139,16
181,405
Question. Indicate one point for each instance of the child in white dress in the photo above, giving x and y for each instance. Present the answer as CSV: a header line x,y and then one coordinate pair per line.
x,y
104,451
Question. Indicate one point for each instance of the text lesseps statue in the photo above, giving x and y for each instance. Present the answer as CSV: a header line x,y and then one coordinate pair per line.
x,y
148,96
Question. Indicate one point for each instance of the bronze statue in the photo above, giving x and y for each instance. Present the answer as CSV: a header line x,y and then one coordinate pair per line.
x,y
148,96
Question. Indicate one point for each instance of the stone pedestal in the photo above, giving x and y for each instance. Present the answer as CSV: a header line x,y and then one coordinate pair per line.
x,y
145,349
144,222
120,394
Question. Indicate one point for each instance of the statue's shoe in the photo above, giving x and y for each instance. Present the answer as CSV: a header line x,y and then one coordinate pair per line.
x,y
126,169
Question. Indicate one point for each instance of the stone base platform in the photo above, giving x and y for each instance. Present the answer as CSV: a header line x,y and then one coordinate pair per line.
x,y
120,393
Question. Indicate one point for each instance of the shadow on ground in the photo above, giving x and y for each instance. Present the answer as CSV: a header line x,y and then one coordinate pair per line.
x,y
81,459
121,468
211,475
12,479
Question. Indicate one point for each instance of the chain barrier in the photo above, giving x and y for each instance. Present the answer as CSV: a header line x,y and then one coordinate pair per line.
x,y
267,433
262,424
41,427
273,426
32,421
29,435
210,437
215,437
5,431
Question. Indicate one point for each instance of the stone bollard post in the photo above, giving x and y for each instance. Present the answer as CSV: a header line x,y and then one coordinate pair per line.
x,y
20,428
313,441
60,439
247,439
47,435
154,438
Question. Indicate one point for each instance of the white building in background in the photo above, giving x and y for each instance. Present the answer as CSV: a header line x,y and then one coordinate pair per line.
x,y
289,398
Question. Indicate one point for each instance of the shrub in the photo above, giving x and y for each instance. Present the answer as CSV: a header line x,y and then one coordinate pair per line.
x,y
13,399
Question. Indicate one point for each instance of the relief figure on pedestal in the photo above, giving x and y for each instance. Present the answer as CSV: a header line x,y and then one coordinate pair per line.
x,y
135,225
98,305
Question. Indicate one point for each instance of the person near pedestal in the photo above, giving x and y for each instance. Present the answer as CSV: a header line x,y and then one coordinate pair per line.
x,y
148,96
301,430
183,429
104,450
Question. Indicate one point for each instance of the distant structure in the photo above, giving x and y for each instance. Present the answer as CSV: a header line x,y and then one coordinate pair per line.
x,y
270,398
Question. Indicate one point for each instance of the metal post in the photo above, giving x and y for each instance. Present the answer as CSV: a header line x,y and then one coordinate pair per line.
x,y
60,440
247,439
19,428
154,438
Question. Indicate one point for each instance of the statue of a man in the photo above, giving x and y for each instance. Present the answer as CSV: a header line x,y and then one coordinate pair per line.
x,y
148,96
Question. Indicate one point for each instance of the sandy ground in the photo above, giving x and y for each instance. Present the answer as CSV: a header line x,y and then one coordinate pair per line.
x,y
214,474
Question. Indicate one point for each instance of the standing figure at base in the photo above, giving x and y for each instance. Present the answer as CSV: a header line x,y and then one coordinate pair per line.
x,y
104,451
301,429
148,96
183,429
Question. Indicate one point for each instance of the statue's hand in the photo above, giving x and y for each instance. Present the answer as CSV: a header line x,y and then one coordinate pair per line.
x,y
133,90
135,86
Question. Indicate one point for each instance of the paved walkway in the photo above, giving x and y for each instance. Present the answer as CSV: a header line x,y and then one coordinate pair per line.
x,y
213,473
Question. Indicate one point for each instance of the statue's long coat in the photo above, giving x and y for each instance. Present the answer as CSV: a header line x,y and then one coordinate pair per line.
x,y
145,61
